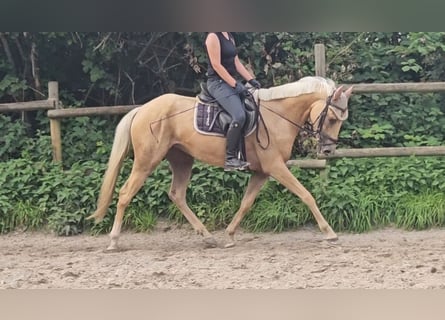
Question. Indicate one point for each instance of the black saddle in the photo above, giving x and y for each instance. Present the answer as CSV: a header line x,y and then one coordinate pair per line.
x,y
211,118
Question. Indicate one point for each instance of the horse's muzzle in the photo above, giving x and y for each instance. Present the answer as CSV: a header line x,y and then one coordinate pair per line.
x,y
327,149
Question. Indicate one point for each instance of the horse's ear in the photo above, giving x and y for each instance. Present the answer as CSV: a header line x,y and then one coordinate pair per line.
x,y
337,93
348,92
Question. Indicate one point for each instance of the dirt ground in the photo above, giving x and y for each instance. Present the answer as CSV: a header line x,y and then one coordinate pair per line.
x,y
175,257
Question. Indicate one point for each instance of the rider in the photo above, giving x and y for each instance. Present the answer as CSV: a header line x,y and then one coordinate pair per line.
x,y
224,65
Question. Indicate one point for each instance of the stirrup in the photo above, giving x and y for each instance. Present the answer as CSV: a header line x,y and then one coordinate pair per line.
x,y
235,164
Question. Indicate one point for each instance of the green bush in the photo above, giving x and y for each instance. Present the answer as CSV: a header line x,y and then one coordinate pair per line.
x,y
357,195
87,138
13,138
50,194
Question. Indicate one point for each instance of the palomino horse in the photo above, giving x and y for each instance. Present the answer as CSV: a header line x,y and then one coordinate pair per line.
x,y
163,128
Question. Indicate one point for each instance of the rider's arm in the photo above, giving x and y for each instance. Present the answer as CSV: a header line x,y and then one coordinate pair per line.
x,y
242,70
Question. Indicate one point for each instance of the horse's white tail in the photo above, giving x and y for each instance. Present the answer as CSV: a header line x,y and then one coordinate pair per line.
x,y
121,146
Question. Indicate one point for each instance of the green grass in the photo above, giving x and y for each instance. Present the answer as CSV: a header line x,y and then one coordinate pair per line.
x,y
417,212
276,216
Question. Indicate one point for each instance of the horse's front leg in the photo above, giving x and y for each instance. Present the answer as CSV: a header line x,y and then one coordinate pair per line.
x,y
254,186
282,174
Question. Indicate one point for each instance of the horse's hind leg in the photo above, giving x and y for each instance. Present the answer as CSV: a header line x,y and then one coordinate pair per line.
x,y
181,166
139,173
254,186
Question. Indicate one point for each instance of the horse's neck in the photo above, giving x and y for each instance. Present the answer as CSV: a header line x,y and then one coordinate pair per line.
x,y
283,120
290,116
295,109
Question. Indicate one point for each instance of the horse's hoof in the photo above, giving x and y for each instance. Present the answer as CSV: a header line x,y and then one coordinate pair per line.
x,y
229,245
230,240
210,242
332,238
111,249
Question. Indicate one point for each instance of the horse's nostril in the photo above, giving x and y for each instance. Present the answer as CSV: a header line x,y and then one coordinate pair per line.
x,y
327,151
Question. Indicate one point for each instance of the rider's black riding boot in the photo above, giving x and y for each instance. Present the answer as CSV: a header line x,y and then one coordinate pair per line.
x,y
232,148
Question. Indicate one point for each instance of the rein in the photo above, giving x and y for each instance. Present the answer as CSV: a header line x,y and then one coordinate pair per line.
x,y
321,118
314,133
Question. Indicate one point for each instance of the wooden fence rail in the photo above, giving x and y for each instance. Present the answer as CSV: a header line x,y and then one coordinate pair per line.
x,y
51,103
28,106
386,152
57,114
321,161
92,111
420,87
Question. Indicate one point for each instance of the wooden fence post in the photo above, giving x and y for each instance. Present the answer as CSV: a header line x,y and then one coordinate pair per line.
x,y
320,60
56,136
320,71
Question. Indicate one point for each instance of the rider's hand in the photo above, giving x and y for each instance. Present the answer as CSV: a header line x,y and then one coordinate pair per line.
x,y
254,83
240,88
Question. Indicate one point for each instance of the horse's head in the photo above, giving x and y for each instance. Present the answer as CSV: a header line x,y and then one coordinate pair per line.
x,y
327,117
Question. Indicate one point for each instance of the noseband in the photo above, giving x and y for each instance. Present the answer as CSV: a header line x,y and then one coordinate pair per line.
x,y
318,133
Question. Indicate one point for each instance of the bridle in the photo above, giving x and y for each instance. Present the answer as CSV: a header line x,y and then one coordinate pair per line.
x,y
318,133
322,137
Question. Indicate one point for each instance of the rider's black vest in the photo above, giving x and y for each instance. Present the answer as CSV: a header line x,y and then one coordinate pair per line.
x,y
228,53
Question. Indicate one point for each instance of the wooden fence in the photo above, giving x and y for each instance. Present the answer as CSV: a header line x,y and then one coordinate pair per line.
x,y
56,114
51,103
320,70
365,88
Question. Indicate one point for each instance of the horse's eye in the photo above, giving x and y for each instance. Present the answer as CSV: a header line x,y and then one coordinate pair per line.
x,y
332,121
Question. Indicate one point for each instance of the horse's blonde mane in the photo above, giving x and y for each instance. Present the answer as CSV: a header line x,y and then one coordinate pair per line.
x,y
302,86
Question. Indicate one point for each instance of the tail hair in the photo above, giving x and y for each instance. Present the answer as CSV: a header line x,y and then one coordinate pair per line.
x,y
121,146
